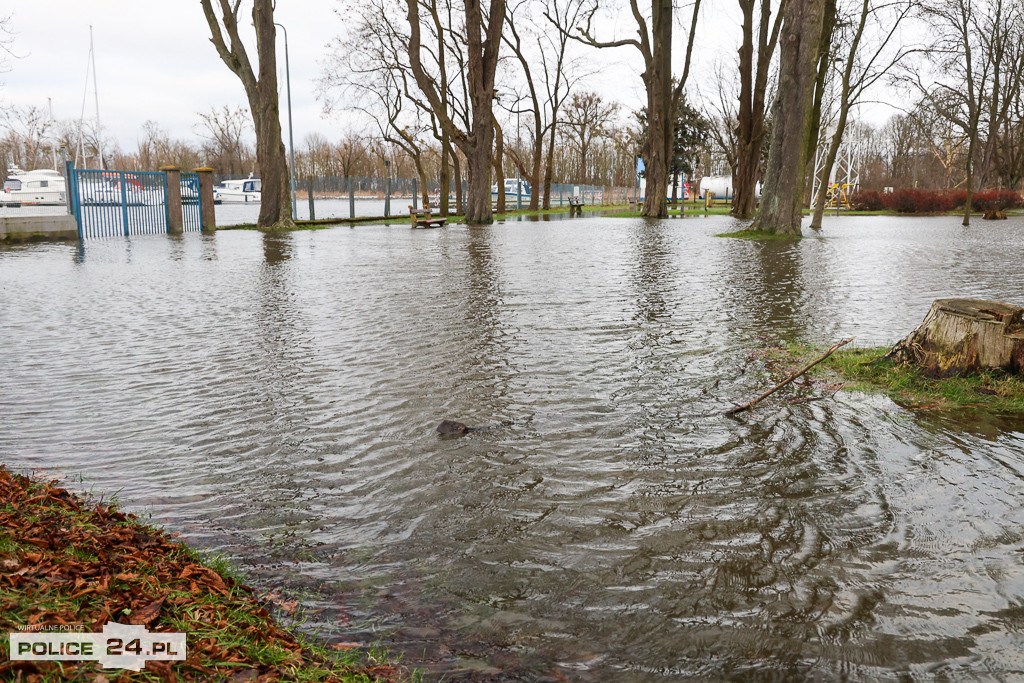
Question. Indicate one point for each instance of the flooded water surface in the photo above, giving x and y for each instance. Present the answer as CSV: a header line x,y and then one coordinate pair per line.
x,y
274,397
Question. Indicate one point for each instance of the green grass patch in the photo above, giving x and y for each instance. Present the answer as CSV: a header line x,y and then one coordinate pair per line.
x,y
674,213
865,370
759,236
66,559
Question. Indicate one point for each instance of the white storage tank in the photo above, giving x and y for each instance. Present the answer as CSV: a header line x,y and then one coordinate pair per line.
x,y
721,186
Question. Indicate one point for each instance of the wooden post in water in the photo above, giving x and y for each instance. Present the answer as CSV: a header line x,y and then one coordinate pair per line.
x,y
312,211
206,210
351,198
175,221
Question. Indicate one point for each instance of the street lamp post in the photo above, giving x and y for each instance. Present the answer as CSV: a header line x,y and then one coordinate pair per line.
x,y
291,137
387,188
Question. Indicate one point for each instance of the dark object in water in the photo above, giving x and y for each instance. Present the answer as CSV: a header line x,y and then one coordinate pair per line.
x,y
452,427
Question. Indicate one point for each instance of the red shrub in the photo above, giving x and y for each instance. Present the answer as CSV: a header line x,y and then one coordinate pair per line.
x,y
923,201
867,200
937,201
996,200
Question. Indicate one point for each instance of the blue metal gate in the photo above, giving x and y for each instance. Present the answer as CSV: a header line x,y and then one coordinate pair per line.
x,y
109,203
191,212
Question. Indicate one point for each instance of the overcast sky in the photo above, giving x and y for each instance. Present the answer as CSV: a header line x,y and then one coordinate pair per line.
x,y
154,61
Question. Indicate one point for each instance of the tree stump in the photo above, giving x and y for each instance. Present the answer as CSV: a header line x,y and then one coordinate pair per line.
x,y
963,336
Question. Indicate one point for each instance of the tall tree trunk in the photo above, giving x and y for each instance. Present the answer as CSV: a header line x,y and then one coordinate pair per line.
x,y
460,207
748,142
830,162
660,119
478,194
483,42
549,169
261,91
750,121
970,176
446,176
499,170
786,173
538,155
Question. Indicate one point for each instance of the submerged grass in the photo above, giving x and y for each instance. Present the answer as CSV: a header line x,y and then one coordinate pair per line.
x,y
67,561
759,236
689,211
865,370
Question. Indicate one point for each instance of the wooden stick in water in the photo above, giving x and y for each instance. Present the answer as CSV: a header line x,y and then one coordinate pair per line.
x,y
747,406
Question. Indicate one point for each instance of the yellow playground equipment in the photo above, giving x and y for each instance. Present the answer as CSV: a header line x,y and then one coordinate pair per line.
x,y
839,195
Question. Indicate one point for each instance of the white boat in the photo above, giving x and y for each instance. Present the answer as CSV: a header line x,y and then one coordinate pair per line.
x,y
189,192
246,191
510,191
43,187
105,189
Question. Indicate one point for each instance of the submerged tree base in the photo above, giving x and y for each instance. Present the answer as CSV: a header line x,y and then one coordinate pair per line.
x,y
909,386
760,236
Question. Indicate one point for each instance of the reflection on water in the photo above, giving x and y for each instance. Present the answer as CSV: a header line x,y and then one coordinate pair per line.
x,y
274,397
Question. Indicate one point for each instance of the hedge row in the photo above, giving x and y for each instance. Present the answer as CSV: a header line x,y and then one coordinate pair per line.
x,y
935,201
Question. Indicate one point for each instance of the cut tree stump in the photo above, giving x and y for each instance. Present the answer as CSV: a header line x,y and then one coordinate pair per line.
x,y
963,336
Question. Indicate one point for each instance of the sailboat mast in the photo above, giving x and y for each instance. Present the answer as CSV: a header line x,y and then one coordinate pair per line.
x,y
96,95
50,132
80,152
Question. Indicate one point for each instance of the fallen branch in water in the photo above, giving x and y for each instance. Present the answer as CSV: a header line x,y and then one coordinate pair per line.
x,y
798,373
808,399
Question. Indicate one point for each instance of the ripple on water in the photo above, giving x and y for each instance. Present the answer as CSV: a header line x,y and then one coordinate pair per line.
x,y
274,397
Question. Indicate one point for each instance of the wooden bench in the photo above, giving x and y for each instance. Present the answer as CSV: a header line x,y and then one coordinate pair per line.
x,y
421,218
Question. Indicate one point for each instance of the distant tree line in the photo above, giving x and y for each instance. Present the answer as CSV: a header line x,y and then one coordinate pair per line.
x,y
463,93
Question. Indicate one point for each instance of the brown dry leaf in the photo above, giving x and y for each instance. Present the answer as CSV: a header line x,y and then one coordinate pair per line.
x,y
346,646
244,676
147,614
100,678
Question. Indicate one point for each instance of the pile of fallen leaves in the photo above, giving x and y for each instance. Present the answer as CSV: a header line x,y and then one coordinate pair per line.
x,y
65,561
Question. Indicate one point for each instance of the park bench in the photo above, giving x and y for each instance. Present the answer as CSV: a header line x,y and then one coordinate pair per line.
x,y
421,218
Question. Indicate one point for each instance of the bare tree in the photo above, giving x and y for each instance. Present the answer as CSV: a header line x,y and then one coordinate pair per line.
x,y
475,137
974,49
722,110
754,71
156,148
225,130
28,139
587,116
374,78
654,42
516,13
793,112
863,66
262,92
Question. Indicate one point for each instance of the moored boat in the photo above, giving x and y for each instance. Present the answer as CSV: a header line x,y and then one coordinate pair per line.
x,y
42,187
246,191
511,194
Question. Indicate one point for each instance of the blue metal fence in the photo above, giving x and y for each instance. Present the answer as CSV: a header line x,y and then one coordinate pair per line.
x,y
191,212
110,203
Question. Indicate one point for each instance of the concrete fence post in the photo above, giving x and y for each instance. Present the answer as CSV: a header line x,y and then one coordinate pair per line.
x,y
175,221
206,209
